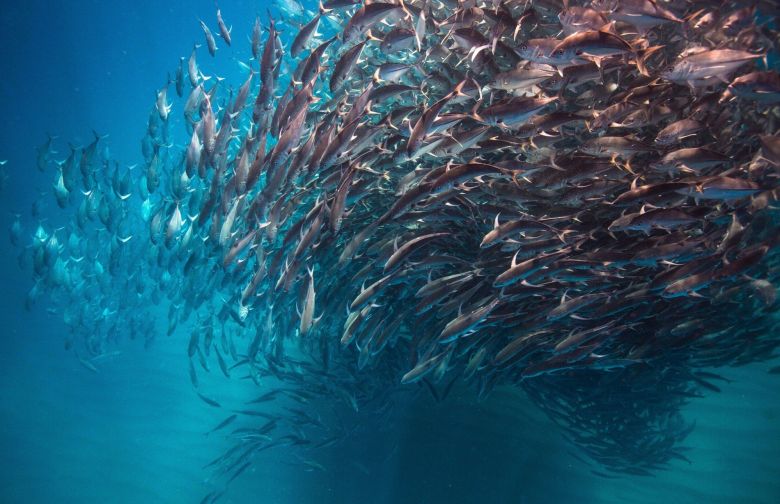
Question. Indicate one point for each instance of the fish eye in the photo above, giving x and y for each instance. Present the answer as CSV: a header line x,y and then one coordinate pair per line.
x,y
523,47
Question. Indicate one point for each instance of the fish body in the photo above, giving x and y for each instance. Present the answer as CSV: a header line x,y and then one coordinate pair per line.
x,y
703,68
678,131
211,43
761,87
512,113
304,36
307,314
224,31
664,218
593,43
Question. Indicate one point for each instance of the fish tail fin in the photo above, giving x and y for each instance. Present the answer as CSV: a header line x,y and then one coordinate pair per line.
x,y
642,55
693,15
474,114
609,28
687,21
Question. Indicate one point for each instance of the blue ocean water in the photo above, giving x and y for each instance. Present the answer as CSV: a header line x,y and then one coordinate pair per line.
x,y
133,431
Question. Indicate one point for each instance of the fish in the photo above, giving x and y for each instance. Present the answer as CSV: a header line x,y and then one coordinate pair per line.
x,y
522,78
307,313
690,159
179,78
678,131
407,248
224,423
209,401
224,31
292,8
367,16
211,43
344,66
512,112
590,43
573,201
304,36
645,221
720,188
466,322
163,107
701,68
396,40
761,87
44,153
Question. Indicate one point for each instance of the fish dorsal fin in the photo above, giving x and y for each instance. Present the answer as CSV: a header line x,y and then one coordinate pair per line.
x,y
608,28
633,183
564,296
736,226
495,221
369,34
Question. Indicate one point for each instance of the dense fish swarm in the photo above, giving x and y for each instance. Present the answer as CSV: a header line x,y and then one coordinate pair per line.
x,y
578,199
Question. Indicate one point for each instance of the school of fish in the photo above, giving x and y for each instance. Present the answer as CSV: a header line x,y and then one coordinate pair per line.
x,y
579,199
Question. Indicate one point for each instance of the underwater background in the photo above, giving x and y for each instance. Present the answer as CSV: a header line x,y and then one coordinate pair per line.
x,y
132,430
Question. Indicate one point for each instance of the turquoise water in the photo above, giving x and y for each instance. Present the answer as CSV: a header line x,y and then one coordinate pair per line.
x,y
133,431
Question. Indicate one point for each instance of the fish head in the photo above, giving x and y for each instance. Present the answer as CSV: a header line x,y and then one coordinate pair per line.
x,y
622,223
564,54
678,72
